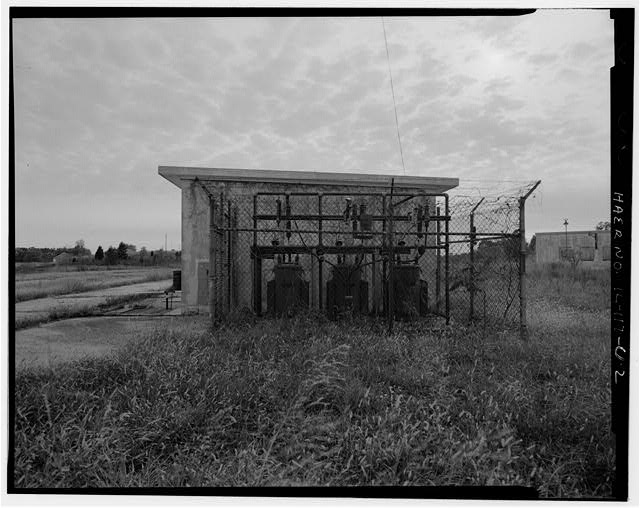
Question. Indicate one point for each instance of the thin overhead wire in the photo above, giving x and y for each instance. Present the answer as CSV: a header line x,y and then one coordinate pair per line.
x,y
393,95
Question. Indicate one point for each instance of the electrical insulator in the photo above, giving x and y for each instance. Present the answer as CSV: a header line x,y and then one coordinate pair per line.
x,y
401,244
288,214
339,244
426,216
347,210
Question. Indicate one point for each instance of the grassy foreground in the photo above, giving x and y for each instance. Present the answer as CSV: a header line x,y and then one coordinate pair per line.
x,y
313,402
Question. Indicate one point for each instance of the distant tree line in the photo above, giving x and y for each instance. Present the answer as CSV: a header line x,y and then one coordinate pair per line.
x,y
46,254
123,254
127,254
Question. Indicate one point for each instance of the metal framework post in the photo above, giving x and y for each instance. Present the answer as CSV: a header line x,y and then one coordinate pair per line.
x,y
383,261
390,300
212,259
446,259
234,254
257,263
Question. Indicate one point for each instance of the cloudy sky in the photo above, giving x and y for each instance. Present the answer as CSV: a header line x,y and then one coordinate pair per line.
x,y
100,103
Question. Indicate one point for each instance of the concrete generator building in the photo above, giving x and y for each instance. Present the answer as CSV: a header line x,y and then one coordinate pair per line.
x,y
591,248
306,202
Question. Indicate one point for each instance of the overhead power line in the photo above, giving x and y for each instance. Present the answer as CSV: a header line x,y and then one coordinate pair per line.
x,y
393,95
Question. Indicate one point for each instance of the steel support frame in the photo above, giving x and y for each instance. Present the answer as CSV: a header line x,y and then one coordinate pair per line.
x,y
386,251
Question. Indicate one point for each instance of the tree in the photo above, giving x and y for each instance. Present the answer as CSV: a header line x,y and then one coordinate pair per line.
x,y
99,253
111,256
122,251
532,244
79,249
604,226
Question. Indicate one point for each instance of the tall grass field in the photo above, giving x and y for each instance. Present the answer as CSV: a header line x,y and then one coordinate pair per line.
x,y
307,401
67,280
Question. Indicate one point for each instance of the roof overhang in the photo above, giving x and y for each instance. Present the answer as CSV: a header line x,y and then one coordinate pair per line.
x,y
562,233
179,174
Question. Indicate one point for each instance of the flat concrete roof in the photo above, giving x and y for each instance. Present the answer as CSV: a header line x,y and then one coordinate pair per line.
x,y
562,233
177,174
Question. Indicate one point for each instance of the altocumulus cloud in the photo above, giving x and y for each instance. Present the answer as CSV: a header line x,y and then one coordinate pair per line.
x,y
101,103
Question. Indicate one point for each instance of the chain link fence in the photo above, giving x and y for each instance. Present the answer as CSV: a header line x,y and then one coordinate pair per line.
x,y
441,258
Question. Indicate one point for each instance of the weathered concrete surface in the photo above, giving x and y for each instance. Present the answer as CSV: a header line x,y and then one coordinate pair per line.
x,y
42,306
73,339
195,235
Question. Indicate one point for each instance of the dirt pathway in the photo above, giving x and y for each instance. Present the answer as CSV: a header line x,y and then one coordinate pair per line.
x,y
42,306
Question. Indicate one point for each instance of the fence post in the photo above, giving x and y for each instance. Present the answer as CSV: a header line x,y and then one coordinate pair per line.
x,y
522,268
321,254
472,289
228,236
438,261
522,273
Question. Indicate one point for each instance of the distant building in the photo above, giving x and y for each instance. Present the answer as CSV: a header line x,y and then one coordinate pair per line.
x,y
592,248
64,258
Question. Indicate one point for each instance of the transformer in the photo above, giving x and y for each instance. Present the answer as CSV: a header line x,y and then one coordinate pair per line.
x,y
288,291
410,293
346,291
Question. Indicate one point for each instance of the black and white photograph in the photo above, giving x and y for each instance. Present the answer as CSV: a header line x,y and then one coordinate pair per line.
x,y
323,251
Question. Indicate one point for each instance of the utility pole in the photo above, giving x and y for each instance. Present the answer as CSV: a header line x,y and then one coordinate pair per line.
x,y
566,237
